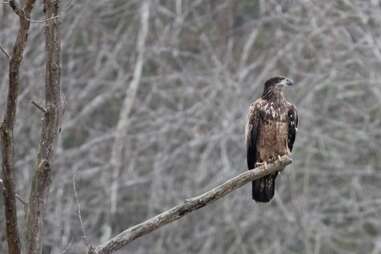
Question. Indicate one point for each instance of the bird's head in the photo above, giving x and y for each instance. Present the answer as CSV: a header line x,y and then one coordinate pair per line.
x,y
275,85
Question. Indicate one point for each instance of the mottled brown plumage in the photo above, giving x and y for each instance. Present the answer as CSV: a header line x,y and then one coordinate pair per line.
x,y
270,132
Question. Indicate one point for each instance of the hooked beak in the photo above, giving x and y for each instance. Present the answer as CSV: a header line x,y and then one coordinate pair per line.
x,y
286,82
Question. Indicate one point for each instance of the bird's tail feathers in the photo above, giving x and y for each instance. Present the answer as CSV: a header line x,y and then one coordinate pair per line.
x,y
263,188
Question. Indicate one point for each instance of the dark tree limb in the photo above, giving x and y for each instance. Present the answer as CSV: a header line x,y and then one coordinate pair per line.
x,y
188,206
7,126
49,134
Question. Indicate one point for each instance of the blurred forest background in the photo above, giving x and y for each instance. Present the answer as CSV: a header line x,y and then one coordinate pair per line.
x,y
155,105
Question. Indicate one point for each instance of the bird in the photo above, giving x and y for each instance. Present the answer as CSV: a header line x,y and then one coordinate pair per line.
x,y
270,131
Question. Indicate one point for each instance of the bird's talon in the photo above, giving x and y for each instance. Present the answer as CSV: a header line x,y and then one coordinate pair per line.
x,y
259,164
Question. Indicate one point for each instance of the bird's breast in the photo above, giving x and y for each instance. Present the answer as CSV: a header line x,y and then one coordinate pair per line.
x,y
274,112
272,139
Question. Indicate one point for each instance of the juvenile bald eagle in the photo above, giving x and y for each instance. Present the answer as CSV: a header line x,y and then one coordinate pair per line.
x,y
270,132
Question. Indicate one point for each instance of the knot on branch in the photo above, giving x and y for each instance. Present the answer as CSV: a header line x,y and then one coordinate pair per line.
x,y
44,164
43,170
17,9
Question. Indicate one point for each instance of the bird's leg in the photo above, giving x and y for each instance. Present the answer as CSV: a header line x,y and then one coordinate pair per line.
x,y
279,158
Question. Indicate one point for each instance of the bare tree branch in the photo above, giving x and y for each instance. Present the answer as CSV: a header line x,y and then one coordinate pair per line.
x,y
188,206
50,131
123,123
6,129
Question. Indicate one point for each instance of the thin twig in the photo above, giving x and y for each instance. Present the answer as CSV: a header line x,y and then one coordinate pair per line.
x,y
18,196
5,52
39,107
189,206
41,20
76,199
